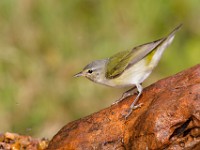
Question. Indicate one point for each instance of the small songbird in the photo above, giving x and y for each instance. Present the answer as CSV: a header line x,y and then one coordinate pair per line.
x,y
128,68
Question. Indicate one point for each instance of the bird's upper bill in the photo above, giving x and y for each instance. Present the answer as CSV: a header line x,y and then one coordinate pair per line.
x,y
79,74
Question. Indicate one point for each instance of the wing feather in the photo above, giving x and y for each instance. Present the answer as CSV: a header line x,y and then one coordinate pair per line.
x,y
125,59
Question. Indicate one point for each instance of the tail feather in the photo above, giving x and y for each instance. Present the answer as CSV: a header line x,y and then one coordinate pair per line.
x,y
158,51
174,31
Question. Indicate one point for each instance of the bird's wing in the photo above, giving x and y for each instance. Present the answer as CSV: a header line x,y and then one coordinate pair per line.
x,y
117,64
125,59
120,61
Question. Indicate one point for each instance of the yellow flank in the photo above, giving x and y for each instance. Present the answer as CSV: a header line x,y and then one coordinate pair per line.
x,y
150,56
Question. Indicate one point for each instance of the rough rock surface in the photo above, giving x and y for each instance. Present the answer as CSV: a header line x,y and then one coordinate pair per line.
x,y
168,119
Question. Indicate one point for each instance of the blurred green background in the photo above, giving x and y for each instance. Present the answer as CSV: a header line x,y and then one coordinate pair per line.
x,y
44,43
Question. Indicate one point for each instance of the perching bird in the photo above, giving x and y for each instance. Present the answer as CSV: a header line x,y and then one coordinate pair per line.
x,y
128,68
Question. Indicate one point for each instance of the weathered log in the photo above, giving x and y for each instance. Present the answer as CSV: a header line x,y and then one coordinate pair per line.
x,y
168,119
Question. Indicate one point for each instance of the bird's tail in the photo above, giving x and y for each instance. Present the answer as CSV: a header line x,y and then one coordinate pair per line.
x,y
164,43
171,36
174,31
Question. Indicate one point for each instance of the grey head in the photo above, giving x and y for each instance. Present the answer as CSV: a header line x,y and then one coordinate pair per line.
x,y
95,71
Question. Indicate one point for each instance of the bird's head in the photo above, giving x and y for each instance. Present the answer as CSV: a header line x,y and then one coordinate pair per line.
x,y
95,71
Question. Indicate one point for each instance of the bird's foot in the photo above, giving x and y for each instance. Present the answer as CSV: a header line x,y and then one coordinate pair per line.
x,y
126,94
133,108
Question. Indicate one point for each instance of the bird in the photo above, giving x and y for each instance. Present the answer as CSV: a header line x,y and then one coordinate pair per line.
x,y
128,68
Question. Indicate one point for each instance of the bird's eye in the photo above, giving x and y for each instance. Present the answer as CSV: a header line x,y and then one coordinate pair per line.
x,y
90,71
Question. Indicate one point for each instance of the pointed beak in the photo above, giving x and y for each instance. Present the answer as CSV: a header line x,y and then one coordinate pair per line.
x,y
78,74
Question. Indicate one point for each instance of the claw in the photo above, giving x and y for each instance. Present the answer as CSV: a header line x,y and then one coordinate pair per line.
x,y
126,94
133,108
137,106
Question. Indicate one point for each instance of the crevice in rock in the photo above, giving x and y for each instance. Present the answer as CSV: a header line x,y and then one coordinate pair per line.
x,y
182,129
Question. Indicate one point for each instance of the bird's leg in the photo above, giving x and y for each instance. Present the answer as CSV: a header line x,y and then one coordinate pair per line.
x,y
125,95
133,105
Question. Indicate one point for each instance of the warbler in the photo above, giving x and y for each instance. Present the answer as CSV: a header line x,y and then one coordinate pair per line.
x,y
128,68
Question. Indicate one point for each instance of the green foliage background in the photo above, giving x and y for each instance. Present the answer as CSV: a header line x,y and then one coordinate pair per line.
x,y
44,43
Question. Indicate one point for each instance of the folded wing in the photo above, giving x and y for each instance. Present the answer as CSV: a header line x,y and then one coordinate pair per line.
x,y
118,63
